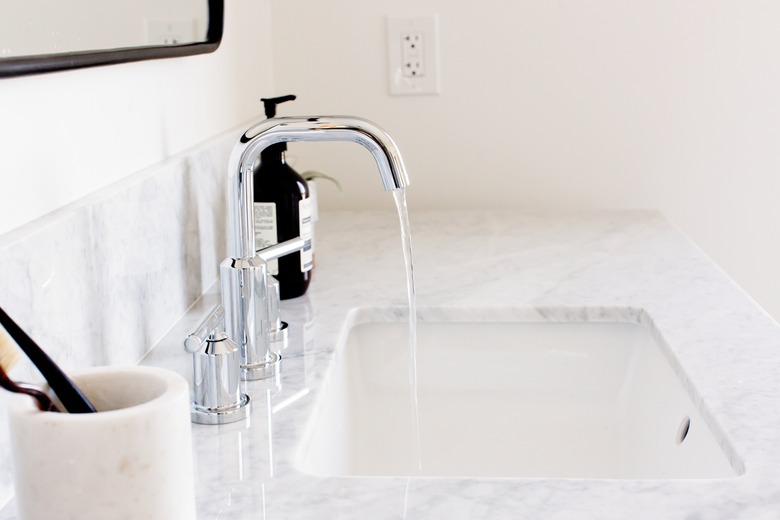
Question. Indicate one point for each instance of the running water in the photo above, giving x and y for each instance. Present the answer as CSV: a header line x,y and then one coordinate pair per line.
x,y
406,239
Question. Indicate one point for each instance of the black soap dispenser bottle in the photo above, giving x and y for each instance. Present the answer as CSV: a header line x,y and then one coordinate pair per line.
x,y
282,211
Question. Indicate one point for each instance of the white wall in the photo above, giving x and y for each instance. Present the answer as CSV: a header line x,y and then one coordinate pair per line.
x,y
67,134
602,104
563,104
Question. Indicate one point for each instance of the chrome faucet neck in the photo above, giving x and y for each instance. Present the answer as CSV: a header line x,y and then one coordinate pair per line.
x,y
241,226
247,297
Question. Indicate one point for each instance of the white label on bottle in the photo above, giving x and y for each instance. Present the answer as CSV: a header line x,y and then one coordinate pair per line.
x,y
305,228
265,230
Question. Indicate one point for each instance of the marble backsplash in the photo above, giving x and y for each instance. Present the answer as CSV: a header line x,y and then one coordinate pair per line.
x,y
101,281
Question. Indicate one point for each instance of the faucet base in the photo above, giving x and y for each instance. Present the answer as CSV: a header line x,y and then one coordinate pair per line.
x,y
263,370
222,415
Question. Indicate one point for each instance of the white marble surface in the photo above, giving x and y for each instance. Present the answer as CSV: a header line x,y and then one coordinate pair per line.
x,y
582,266
101,281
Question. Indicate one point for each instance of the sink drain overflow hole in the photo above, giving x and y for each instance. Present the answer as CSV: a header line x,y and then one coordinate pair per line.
x,y
682,431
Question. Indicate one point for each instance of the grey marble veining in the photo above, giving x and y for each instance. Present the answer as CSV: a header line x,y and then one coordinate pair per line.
x,y
101,281
626,266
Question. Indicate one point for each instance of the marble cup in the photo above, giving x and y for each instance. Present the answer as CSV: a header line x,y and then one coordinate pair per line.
x,y
131,460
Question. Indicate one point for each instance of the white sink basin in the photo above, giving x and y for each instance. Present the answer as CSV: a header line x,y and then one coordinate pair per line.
x,y
508,399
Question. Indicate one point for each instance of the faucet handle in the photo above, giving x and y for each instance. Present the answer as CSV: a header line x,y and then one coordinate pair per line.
x,y
277,333
213,321
216,364
284,248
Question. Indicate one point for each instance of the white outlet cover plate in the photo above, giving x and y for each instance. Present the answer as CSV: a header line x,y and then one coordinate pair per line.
x,y
428,83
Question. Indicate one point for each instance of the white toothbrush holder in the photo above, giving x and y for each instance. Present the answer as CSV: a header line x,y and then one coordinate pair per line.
x,y
131,460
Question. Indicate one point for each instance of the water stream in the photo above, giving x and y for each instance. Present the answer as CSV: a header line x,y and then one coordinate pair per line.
x,y
406,239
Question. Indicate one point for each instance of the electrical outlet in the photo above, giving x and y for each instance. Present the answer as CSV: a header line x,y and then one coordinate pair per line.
x,y
412,54
412,50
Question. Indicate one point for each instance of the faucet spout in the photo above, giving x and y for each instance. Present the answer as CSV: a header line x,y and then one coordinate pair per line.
x,y
246,296
241,226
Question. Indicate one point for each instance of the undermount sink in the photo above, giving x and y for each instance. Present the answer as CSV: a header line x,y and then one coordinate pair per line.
x,y
507,398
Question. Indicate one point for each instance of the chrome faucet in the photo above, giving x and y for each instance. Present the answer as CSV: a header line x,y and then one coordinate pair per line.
x,y
244,280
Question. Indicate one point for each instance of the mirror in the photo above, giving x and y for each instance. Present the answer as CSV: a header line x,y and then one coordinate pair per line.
x,y
47,35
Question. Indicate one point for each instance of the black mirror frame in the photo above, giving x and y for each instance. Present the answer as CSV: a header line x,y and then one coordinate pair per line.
x,y
76,60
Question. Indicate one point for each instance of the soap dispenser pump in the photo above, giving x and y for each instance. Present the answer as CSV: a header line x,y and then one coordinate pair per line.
x,y
282,211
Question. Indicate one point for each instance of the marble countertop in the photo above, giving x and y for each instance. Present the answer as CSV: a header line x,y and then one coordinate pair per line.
x,y
562,264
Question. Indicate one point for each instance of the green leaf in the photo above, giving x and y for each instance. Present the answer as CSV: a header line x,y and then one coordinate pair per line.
x,y
312,175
